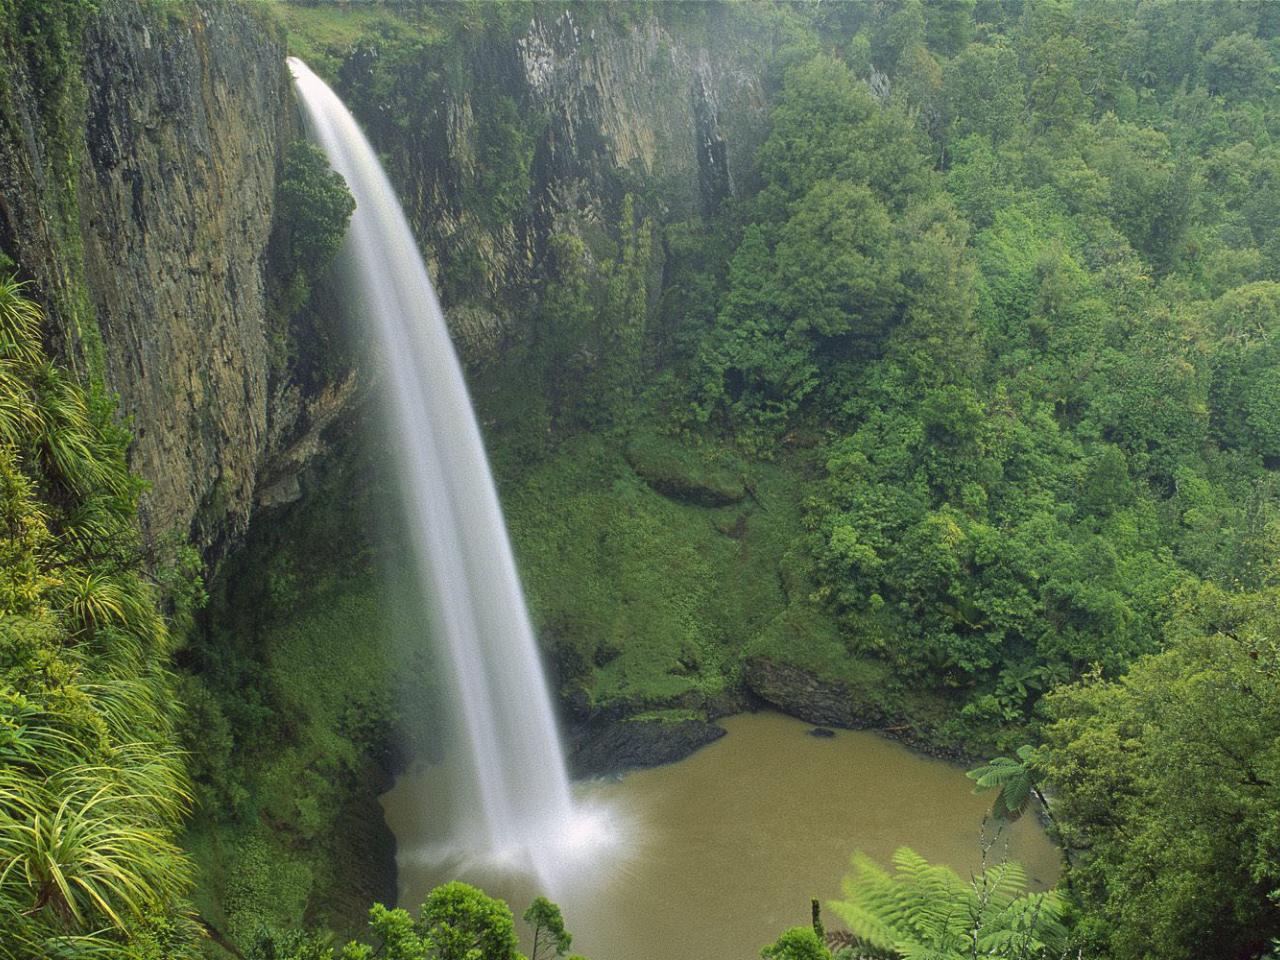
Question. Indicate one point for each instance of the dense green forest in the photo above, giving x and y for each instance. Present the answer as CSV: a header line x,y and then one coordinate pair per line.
x,y
968,398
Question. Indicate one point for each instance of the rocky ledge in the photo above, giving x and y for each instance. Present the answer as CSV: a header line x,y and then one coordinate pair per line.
x,y
802,693
633,744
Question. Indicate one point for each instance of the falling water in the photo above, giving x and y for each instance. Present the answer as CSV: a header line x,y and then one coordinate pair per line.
x,y
468,575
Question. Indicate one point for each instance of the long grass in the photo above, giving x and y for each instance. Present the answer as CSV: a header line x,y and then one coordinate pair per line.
x,y
92,789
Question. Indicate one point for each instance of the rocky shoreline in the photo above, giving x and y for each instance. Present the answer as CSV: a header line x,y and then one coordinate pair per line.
x,y
614,741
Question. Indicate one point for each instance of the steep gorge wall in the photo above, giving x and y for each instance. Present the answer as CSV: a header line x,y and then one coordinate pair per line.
x,y
145,226
605,106
150,249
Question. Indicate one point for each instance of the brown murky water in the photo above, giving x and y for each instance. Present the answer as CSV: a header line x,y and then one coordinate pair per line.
x,y
720,853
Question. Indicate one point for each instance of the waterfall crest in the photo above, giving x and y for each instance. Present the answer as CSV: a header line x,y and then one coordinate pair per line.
x,y
450,507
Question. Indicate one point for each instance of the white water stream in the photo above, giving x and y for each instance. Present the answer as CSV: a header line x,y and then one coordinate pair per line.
x,y
514,788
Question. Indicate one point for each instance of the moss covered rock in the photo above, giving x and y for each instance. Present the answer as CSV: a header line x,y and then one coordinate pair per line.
x,y
706,476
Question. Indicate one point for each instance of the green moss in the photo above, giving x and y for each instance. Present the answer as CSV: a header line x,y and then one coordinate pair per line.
x,y
323,34
667,716
43,39
709,475
640,598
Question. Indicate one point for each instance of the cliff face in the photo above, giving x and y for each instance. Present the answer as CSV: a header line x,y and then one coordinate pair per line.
x,y
607,107
687,110
185,122
145,226
154,268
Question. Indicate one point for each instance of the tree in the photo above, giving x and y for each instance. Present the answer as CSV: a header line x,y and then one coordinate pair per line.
x,y
548,928
751,371
1246,325
948,25
1238,66
458,919
798,943
1167,782
312,210
456,922
836,270
1014,781
1057,92
828,124
314,207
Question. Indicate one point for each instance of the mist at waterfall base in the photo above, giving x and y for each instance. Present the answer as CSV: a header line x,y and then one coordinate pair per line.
x,y
507,786
729,844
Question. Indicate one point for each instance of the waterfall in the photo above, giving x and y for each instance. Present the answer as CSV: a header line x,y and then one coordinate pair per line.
x,y
451,511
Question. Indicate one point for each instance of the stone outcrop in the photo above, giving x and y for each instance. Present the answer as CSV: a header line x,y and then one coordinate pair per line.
x,y
633,744
802,693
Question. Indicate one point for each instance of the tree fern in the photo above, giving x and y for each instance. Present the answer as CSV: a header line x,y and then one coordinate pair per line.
x,y
925,911
1014,781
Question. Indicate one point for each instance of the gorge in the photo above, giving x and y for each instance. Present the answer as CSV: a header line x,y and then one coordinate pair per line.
x,y
907,367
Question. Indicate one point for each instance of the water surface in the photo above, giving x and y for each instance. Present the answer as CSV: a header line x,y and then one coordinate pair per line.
x,y
721,852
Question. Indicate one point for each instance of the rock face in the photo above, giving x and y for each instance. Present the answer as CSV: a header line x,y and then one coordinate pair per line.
x,y
633,744
644,99
185,126
802,694
621,107
157,284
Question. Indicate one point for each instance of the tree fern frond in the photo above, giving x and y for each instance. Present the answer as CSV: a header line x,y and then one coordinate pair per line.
x,y
926,910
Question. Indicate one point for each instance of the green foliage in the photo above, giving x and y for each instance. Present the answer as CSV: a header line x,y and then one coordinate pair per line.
x,y
456,922
798,943
310,218
1013,779
826,125
1238,65
1166,783
92,787
289,723
1010,399
832,271
711,477
926,910
504,154
592,327
548,929
314,208
460,921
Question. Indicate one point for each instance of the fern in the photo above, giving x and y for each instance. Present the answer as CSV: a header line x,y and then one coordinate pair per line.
x,y
925,911
1013,779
